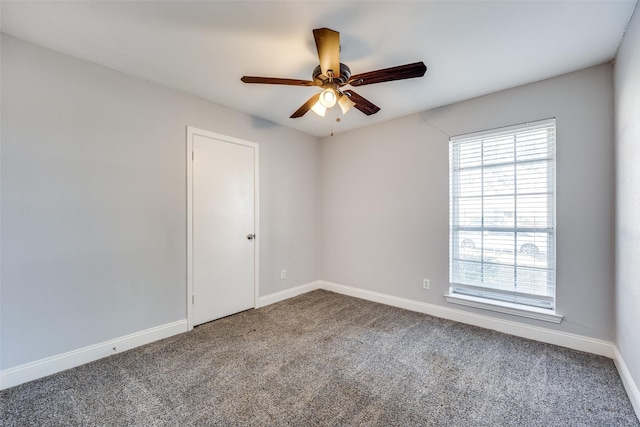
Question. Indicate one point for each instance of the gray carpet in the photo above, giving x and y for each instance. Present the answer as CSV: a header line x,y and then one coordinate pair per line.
x,y
330,360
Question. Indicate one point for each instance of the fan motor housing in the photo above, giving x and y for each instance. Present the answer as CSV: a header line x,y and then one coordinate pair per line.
x,y
320,78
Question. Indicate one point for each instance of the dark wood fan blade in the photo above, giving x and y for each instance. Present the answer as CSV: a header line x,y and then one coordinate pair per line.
x,y
277,81
362,104
328,45
400,72
306,106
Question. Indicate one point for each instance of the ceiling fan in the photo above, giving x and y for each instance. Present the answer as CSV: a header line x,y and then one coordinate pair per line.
x,y
332,75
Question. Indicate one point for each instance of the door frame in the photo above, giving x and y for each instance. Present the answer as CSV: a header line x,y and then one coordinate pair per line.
x,y
191,133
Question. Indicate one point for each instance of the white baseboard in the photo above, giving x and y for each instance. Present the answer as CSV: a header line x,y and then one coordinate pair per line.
x,y
563,339
629,384
41,368
287,293
61,362
50,365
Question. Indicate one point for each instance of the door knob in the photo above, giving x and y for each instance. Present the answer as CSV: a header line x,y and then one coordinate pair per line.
x,y
251,236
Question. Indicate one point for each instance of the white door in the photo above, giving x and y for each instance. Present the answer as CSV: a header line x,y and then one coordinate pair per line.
x,y
223,226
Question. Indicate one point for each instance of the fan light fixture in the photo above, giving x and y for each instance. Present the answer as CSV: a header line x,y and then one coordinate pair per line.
x,y
319,109
329,98
345,103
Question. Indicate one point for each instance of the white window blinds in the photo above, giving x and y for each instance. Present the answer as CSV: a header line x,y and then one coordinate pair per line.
x,y
502,214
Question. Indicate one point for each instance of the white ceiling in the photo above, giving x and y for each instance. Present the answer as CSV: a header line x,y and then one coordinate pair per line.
x,y
471,48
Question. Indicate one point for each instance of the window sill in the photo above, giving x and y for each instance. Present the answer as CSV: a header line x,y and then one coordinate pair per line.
x,y
505,307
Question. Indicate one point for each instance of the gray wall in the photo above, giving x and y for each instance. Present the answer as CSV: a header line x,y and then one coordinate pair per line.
x,y
384,197
627,107
94,202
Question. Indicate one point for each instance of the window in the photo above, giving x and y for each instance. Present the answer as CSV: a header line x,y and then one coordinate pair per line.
x,y
502,217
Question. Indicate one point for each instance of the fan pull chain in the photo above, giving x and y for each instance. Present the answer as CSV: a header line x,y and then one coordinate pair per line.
x,y
331,123
334,112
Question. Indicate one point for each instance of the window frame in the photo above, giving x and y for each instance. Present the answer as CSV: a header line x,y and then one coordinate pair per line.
x,y
488,296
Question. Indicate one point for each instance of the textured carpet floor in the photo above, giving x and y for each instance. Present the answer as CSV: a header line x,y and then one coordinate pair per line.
x,y
330,360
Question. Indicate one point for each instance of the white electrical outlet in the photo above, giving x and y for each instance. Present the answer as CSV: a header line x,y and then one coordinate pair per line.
x,y
283,274
425,283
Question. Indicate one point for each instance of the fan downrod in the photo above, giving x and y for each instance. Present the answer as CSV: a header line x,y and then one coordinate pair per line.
x,y
322,80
